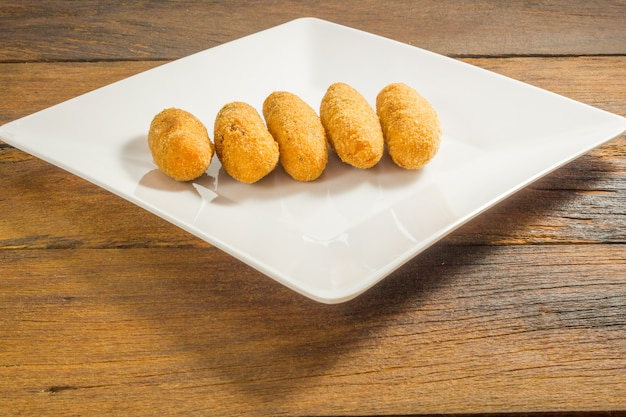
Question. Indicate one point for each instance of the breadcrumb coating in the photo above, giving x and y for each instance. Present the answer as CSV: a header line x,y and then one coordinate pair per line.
x,y
299,133
180,144
244,146
352,127
410,125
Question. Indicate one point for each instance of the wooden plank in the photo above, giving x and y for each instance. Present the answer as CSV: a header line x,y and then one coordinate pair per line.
x,y
35,86
30,87
582,202
597,81
145,331
109,30
106,309
45,207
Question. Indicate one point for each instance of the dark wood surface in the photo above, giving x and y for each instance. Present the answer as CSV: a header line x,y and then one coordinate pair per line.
x,y
106,309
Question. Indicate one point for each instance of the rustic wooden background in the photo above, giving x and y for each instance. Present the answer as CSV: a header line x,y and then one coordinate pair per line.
x,y
106,309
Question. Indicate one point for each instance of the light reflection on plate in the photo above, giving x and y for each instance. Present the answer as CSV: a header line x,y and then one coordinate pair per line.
x,y
333,238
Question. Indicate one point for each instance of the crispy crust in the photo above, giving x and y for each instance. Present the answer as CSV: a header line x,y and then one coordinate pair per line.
x,y
299,133
352,127
243,144
410,126
180,144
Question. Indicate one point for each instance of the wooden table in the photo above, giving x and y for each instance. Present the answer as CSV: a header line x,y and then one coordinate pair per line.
x,y
106,309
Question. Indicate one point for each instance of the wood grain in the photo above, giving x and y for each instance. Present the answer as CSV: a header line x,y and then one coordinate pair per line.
x,y
134,329
582,202
30,87
106,309
144,30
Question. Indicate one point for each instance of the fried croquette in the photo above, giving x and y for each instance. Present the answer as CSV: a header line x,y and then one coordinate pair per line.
x,y
410,125
244,146
299,133
180,144
352,127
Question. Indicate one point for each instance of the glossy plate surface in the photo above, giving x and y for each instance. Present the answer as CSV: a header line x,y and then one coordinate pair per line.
x,y
332,239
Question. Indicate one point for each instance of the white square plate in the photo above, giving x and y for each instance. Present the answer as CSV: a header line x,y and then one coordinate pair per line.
x,y
336,237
